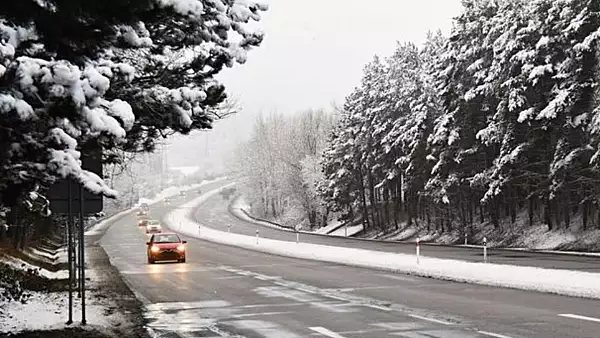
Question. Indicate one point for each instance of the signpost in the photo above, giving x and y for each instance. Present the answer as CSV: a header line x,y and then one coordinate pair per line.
x,y
62,195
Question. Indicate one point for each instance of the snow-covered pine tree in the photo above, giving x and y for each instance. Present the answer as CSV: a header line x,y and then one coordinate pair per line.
x,y
119,72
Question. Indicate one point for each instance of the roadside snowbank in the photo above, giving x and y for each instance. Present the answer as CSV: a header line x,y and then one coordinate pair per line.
x,y
328,228
46,311
22,265
352,230
100,227
60,256
565,282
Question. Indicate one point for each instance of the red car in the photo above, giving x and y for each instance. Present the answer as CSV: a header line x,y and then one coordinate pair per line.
x,y
166,247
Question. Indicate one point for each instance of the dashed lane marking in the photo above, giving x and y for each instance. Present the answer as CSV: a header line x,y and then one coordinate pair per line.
x,y
433,320
326,332
491,334
589,319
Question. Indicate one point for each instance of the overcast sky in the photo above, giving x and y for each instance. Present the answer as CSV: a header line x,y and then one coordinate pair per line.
x,y
314,53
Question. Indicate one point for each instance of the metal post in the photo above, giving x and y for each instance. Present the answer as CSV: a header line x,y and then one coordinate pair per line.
x,y
70,252
82,254
78,261
485,259
418,250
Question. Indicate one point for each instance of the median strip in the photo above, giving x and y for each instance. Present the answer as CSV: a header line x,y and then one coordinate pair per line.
x,y
564,282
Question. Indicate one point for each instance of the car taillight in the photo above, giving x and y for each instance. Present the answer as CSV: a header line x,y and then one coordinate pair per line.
x,y
181,247
154,249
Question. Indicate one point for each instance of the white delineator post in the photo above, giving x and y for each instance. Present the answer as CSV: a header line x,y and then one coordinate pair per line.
x,y
199,229
346,230
228,228
256,236
418,248
465,238
485,259
297,236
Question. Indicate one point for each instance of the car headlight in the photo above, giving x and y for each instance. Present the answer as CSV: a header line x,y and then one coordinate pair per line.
x,y
181,248
154,249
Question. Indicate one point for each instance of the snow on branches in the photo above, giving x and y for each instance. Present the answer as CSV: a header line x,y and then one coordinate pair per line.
x,y
505,114
137,71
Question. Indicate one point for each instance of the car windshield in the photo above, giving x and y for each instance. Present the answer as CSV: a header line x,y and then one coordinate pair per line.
x,y
166,239
153,222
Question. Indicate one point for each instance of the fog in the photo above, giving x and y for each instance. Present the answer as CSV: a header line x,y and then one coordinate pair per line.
x,y
312,57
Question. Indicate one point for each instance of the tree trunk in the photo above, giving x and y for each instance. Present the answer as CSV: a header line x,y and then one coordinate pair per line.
x,y
584,215
530,210
548,213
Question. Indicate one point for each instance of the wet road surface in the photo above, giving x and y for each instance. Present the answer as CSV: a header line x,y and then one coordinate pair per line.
x,y
225,291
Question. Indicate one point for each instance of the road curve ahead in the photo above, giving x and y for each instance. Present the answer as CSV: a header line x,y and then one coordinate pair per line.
x,y
225,291
471,254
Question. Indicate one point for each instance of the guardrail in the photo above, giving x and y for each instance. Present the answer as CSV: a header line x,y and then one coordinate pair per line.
x,y
483,246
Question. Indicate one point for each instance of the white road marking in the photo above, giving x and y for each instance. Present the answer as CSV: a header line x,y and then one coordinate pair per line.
x,y
244,315
491,334
250,306
401,326
433,320
326,332
570,315
378,307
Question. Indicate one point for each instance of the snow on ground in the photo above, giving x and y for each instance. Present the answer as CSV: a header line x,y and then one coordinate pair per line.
x,y
238,206
539,237
45,311
22,265
328,228
99,227
565,282
350,231
60,256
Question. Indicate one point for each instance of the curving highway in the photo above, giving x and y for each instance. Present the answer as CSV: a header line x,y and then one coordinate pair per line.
x,y
226,291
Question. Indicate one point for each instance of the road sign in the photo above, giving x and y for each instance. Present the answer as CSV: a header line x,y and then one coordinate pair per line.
x,y
59,192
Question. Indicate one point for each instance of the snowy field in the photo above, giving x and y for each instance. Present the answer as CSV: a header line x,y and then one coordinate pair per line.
x,y
565,282
46,311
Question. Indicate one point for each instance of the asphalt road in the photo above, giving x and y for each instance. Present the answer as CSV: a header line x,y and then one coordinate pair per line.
x,y
220,220
225,291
